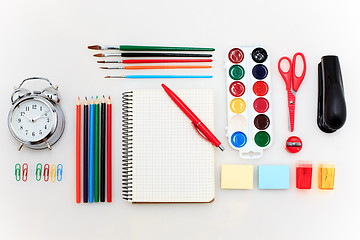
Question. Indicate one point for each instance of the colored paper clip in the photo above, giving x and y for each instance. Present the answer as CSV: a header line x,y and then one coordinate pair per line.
x,y
38,171
46,172
17,172
59,172
24,172
53,173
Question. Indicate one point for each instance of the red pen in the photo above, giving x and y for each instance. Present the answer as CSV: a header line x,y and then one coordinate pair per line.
x,y
198,125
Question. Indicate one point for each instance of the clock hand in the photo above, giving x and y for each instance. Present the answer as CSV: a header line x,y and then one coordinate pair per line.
x,y
30,119
42,115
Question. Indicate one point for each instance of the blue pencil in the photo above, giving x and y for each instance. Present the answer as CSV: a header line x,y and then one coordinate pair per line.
x,y
160,76
91,151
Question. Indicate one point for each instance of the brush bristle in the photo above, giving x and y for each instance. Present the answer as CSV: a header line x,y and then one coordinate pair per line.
x,y
98,55
94,47
104,67
107,76
100,61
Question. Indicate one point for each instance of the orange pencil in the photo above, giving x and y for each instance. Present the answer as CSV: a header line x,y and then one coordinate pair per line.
x,y
156,67
78,152
109,178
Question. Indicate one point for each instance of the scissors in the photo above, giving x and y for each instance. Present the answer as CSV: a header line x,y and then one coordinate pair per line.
x,y
293,83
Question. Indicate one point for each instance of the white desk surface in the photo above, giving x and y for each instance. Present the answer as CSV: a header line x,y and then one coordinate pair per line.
x,y
50,39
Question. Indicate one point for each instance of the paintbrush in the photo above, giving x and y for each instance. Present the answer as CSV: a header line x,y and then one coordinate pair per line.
x,y
147,48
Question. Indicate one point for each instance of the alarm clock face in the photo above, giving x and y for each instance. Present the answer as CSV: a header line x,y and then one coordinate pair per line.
x,y
32,120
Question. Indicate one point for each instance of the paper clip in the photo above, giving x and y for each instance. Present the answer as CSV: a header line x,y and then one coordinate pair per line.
x,y
38,171
25,172
17,172
46,172
53,173
59,172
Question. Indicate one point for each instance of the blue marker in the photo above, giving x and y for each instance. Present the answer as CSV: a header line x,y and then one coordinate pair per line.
x,y
91,151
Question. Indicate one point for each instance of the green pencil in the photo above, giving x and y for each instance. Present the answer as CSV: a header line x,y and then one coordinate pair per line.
x,y
96,152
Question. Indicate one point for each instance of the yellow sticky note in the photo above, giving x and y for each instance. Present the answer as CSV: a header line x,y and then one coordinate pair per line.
x,y
237,176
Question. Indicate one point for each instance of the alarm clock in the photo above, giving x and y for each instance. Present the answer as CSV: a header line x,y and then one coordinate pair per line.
x,y
35,118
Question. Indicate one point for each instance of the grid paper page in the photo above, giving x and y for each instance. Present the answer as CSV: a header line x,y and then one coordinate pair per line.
x,y
171,161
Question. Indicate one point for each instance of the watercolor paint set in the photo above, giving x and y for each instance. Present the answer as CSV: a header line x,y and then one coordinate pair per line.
x,y
249,107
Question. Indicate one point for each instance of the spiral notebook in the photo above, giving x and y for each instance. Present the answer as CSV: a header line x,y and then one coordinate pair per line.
x,y
164,159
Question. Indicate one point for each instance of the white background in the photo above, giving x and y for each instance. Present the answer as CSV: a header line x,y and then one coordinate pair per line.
x,y
50,39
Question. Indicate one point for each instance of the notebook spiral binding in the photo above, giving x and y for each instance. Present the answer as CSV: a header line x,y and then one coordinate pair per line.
x,y
127,172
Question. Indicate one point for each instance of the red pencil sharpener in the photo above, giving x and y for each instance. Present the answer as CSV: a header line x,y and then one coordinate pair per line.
x,y
293,144
303,174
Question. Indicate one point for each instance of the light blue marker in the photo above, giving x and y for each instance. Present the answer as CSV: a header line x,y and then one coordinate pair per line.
x,y
91,151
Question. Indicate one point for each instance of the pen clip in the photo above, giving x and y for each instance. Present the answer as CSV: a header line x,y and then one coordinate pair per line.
x,y
25,172
200,133
59,172
38,171
46,172
17,172
53,173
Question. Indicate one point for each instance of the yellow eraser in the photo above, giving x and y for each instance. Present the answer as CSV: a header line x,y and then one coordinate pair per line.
x,y
326,176
237,176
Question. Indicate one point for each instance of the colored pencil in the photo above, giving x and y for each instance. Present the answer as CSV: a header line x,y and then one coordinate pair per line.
x,y
91,151
109,152
96,151
157,61
102,149
136,54
78,151
86,151
160,76
155,67
147,48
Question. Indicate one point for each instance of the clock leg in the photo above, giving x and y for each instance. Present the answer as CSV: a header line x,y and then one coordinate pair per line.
x,y
20,147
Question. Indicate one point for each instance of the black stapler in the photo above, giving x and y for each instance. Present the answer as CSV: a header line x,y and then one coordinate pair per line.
x,y
331,113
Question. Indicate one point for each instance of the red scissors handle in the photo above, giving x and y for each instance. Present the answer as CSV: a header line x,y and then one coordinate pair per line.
x,y
286,75
298,80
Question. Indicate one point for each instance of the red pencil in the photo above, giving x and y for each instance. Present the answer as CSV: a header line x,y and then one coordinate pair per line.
x,y
78,151
109,180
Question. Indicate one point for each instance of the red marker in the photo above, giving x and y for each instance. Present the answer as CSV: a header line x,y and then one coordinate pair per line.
x,y
198,125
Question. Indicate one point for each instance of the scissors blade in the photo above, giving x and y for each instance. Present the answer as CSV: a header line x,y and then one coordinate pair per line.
x,y
291,106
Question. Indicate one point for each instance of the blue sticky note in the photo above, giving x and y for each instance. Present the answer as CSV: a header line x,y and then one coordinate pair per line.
x,y
273,177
